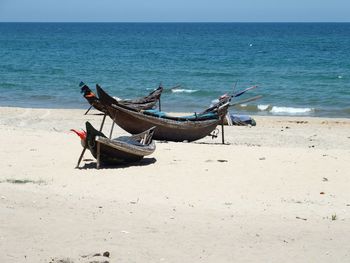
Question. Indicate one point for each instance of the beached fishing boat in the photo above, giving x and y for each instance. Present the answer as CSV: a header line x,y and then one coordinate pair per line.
x,y
147,102
169,128
121,150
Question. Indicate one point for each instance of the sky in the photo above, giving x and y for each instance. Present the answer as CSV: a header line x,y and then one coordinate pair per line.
x,y
174,10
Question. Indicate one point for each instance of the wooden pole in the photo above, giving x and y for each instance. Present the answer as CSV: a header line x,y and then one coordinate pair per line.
x,y
110,134
113,122
81,156
103,122
222,131
98,155
88,110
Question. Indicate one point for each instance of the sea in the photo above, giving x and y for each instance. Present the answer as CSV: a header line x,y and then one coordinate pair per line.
x,y
301,69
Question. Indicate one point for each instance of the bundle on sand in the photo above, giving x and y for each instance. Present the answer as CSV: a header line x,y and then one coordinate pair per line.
x,y
238,120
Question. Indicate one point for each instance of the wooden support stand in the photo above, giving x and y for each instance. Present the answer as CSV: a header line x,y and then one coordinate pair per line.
x,y
222,131
110,134
88,110
103,122
98,155
81,157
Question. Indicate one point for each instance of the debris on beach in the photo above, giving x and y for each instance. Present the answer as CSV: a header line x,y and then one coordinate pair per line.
x,y
239,120
96,257
89,258
298,122
63,260
134,202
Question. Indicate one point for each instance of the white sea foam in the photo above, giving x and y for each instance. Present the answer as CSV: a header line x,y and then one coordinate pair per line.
x,y
117,98
183,90
213,102
263,107
290,110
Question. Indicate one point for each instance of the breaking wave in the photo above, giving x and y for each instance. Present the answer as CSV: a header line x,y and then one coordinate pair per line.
x,y
183,90
263,107
290,110
275,110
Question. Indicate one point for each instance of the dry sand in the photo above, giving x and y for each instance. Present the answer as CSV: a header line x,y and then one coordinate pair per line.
x,y
279,192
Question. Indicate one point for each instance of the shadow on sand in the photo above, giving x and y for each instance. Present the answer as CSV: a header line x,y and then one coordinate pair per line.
x,y
196,142
93,164
212,143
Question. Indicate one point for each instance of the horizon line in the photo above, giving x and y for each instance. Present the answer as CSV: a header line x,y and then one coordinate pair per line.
x,y
173,22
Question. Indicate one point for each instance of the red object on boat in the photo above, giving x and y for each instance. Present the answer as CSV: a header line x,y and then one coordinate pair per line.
x,y
81,134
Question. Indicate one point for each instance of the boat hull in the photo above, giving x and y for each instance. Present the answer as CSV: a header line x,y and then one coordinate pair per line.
x,y
124,149
120,152
168,130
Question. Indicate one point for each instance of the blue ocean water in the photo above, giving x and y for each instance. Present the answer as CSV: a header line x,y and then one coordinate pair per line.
x,y
300,68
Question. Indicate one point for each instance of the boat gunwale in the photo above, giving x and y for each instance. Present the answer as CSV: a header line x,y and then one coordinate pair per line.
x,y
127,147
163,121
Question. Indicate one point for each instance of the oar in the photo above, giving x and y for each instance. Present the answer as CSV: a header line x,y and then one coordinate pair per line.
x,y
234,87
175,87
246,100
243,91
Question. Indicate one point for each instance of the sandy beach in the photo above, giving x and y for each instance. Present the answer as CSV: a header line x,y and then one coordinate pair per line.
x,y
277,192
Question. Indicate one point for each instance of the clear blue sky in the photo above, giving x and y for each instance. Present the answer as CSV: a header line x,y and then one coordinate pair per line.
x,y
175,10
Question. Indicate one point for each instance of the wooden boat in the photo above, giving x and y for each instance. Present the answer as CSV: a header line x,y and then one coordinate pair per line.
x,y
169,128
147,102
144,103
121,150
